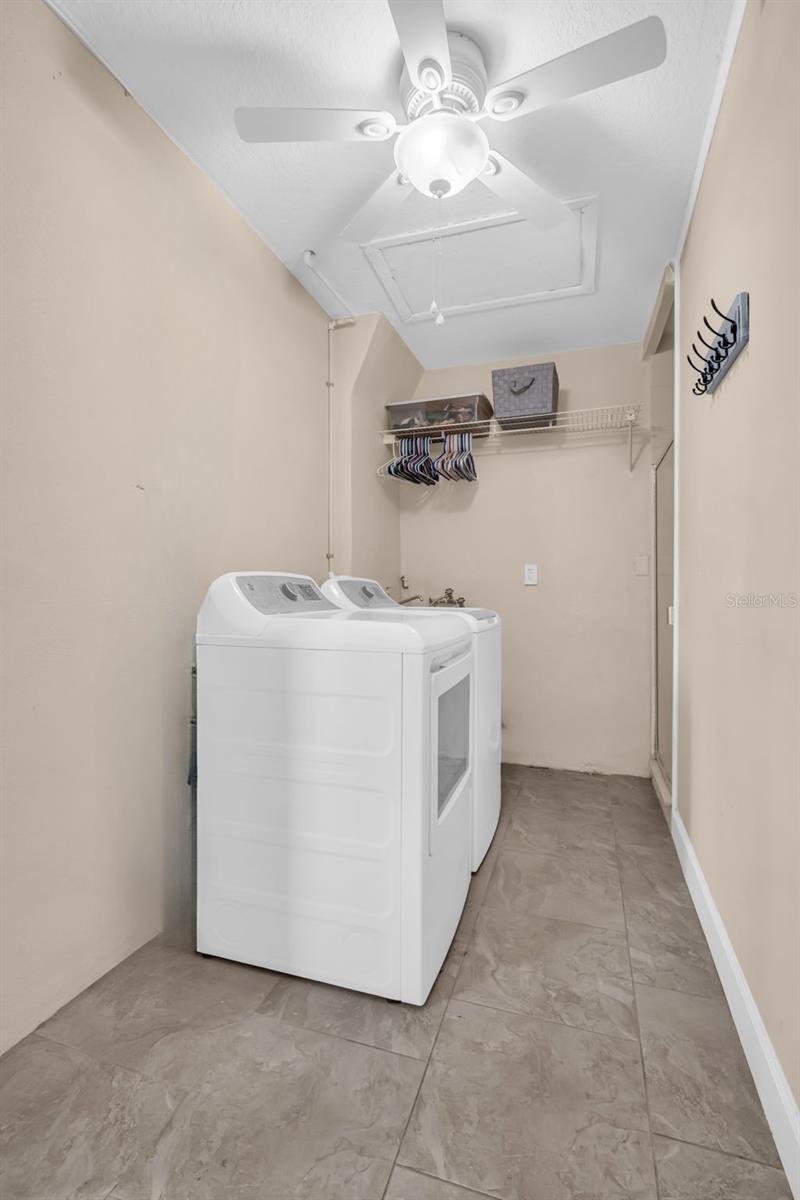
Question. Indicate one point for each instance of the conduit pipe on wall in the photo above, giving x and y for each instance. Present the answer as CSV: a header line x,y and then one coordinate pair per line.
x,y
309,258
342,323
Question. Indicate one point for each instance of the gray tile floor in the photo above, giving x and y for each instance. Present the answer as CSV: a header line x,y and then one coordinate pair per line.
x,y
576,1046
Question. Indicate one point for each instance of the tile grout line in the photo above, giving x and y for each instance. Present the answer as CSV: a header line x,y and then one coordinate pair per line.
x,y
684,907
445,1011
515,1012
681,992
108,1063
112,1062
438,1179
685,1141
638,1023
562,920
341,1037
743,1158
413,1105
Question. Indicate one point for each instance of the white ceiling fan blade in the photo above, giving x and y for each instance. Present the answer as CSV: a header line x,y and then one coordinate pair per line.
x,y
382,204
523,194
313,125
630,51
423,39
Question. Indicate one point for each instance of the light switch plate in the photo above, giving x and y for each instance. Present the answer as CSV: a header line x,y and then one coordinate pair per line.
x,y
641,564
531,574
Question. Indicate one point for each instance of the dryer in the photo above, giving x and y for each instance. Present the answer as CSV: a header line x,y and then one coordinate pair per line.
x,y
365,595
334,785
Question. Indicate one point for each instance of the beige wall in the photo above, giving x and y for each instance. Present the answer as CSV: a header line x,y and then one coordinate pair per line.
x,y
390,372
350,346
576,688
739,528
159,366
373,367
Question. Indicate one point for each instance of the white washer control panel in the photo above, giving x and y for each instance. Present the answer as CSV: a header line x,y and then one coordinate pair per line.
x,y
275,594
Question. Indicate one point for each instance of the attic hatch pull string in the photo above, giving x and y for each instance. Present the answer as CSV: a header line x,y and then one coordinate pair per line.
x,y
436,265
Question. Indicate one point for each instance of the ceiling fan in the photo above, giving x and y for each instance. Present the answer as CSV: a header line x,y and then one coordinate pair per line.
x,y
445,94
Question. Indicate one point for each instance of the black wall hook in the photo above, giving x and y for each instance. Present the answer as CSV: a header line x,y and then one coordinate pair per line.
x,y
700,384
721,335
711,367
716,352
730,320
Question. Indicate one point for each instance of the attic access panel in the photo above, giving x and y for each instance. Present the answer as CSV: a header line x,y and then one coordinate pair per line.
x,y
490,263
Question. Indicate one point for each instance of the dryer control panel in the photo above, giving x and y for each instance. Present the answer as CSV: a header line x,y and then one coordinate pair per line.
x,y
276,595
366,593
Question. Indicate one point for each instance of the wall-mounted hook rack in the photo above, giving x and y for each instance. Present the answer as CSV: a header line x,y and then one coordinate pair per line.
x,y
727,343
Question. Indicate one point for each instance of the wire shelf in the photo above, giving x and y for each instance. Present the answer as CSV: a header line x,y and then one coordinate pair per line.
x,y
609,419
576,420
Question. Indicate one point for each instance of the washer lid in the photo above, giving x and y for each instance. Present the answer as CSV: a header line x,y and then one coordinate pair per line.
x,y
275,608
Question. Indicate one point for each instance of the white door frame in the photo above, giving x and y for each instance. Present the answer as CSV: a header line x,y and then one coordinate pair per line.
x,y
661,784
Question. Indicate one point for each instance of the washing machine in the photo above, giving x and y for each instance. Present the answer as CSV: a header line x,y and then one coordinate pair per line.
x,y
334,785
365,595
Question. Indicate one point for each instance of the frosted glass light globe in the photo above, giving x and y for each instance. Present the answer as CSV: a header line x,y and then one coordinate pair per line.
x,y
441,153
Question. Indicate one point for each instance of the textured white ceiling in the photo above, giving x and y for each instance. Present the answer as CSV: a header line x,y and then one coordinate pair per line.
x,y
634,144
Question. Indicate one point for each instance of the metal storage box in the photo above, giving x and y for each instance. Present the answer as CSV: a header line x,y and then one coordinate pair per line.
x,y
525,392
456,412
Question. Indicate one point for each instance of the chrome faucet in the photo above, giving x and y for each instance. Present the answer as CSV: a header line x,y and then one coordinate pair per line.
x,y
448,600
404,587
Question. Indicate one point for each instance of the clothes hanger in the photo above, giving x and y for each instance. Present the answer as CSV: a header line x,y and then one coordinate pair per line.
x,y
413,462
469,461
397,466
440,463
428,465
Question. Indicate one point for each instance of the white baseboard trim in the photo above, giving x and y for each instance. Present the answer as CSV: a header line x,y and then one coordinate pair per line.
x,y
771,1084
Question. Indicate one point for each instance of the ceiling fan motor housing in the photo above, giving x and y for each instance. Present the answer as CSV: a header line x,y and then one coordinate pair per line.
x,y
466,91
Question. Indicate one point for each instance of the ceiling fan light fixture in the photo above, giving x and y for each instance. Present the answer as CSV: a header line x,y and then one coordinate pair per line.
x,y
441,153
505,104
492,166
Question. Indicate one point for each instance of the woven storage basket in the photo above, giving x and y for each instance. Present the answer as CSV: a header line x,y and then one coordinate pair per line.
x,y
525,392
